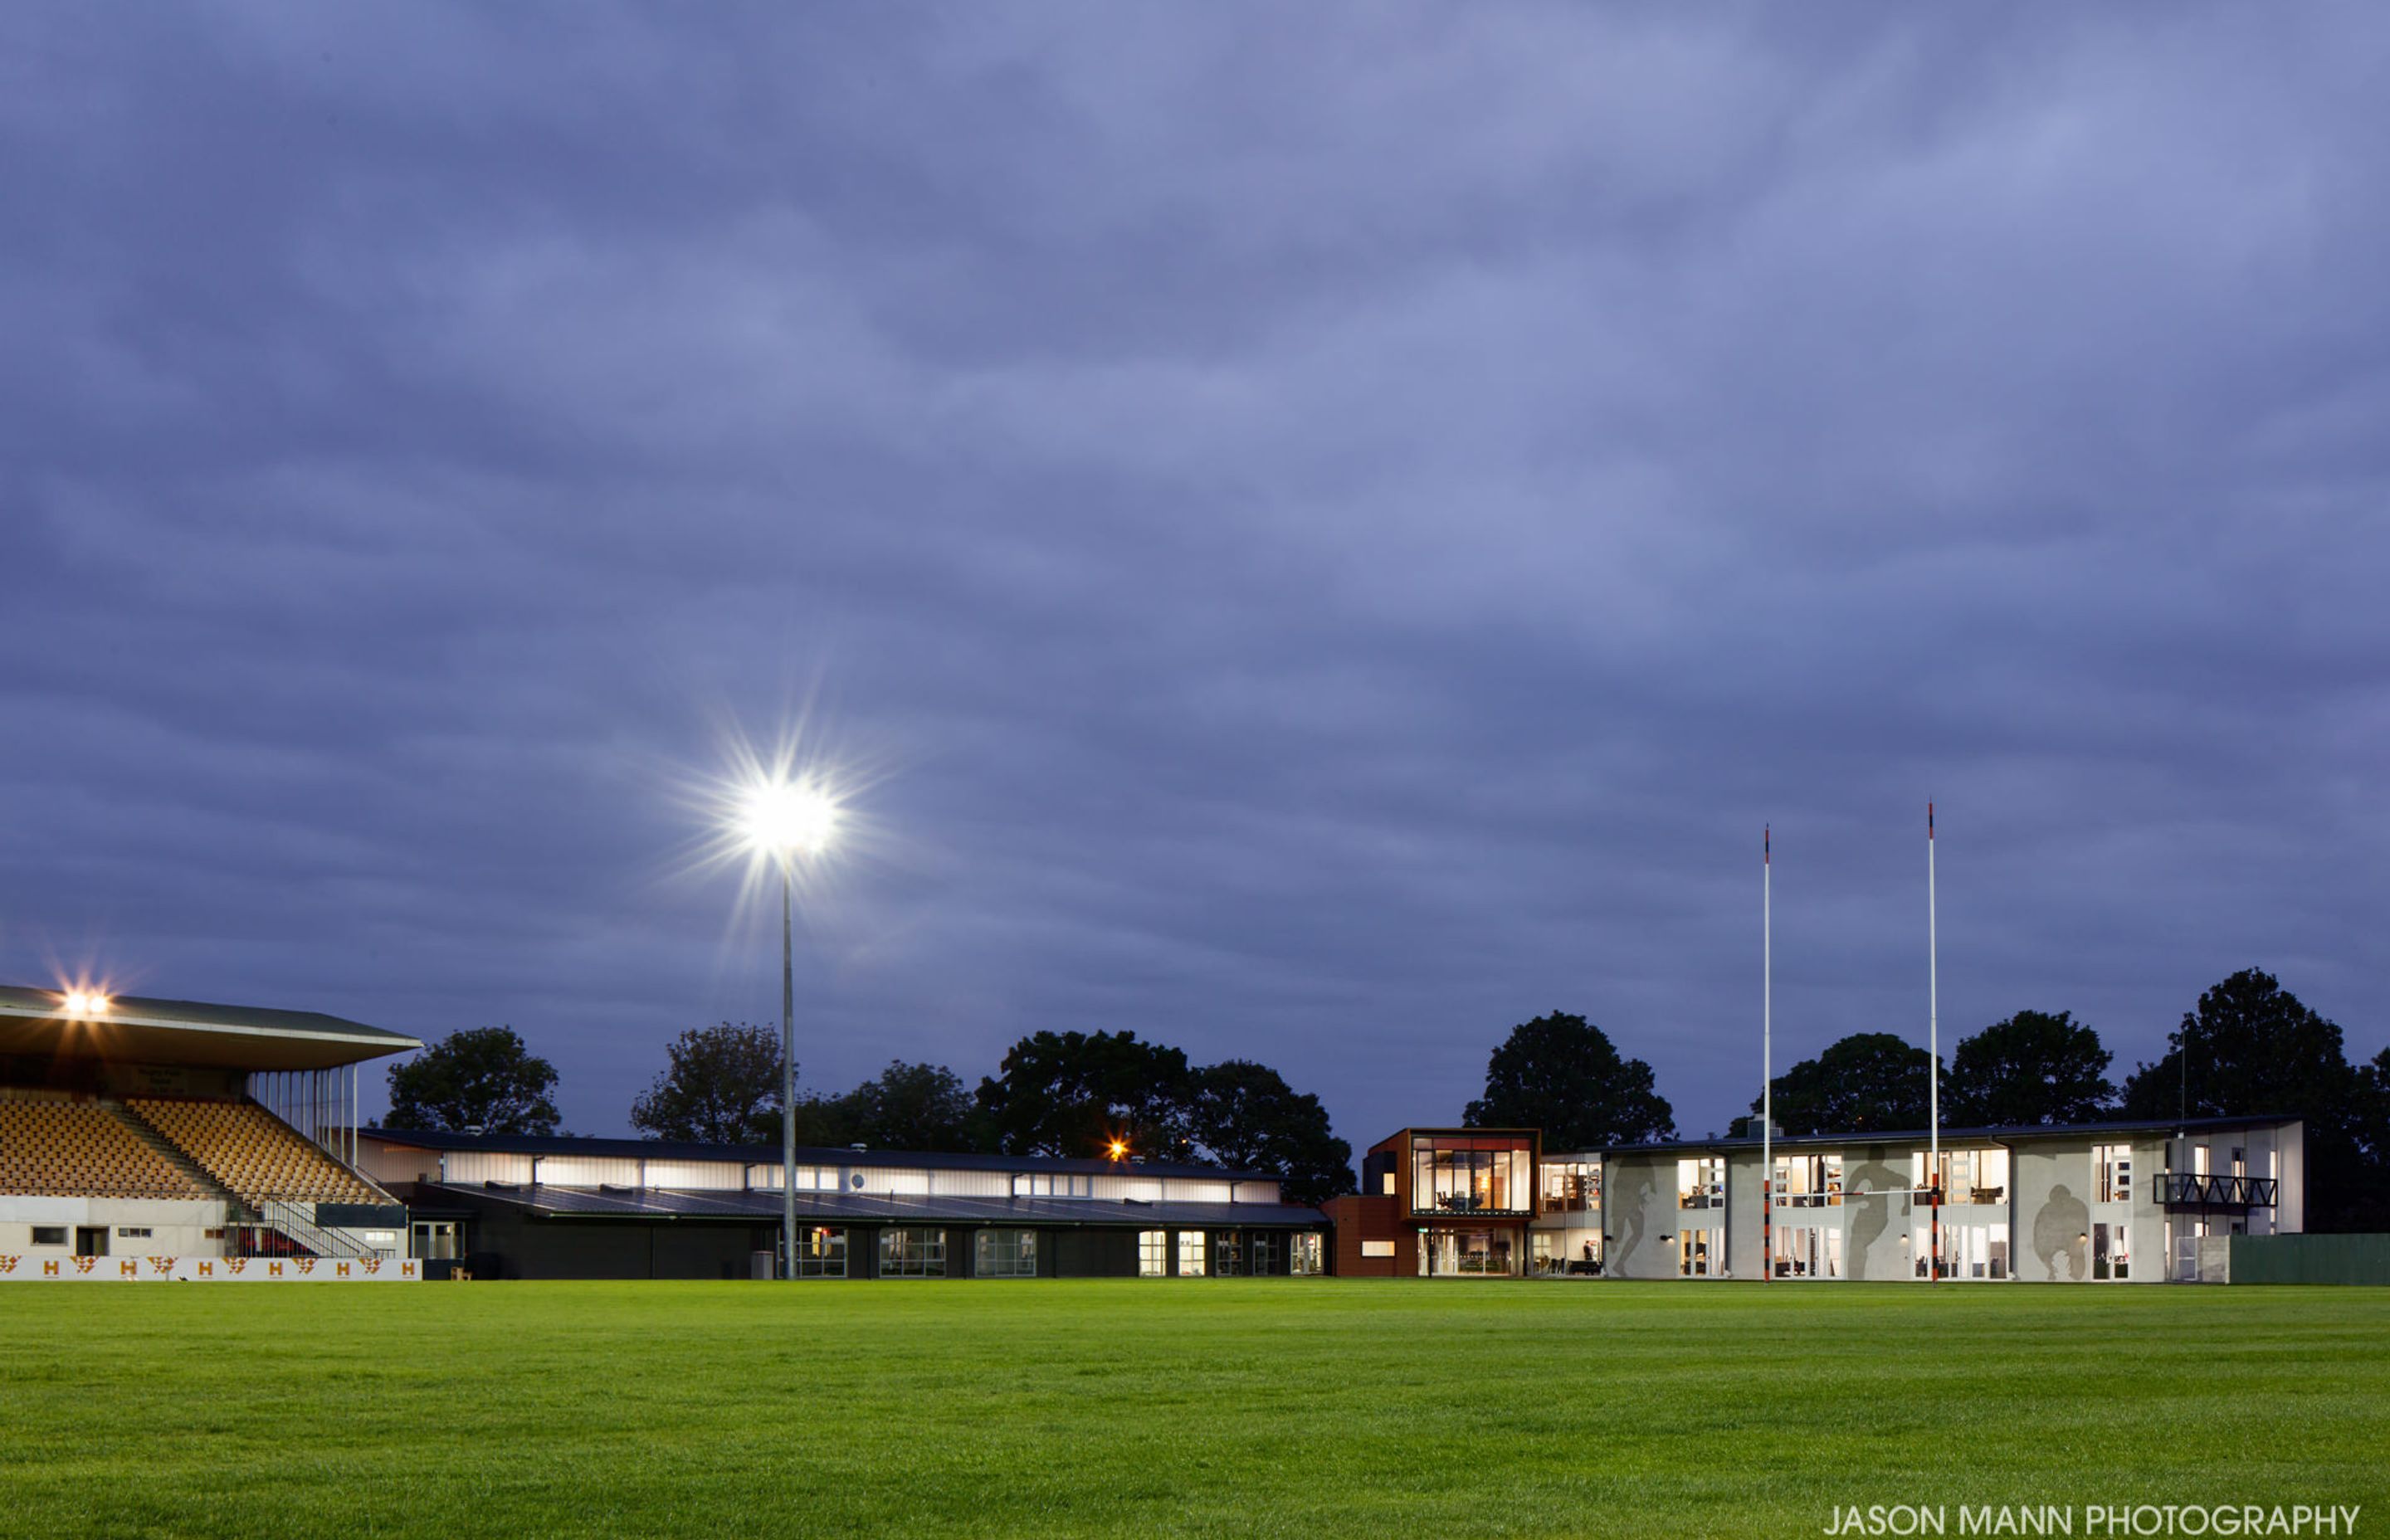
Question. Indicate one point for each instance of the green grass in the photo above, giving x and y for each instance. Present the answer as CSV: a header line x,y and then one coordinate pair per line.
x,y
1216,1407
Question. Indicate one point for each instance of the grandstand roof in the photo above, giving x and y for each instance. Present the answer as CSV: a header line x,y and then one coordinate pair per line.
x,y
138,1030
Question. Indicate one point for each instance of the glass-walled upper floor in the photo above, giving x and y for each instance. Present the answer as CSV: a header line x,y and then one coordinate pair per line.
x,y
1572,1185
1700,1183
1967,1176
1461,1174
1808,1181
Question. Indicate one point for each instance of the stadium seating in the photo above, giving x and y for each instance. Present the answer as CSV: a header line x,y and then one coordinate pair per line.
x,y
253,1152
80,1149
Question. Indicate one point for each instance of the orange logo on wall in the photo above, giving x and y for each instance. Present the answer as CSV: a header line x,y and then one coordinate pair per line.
x,y
273,1269
235,1265
9,1264
49,1269
372,1265
162,1264
207,1269
84,1265
128,1268
307,1266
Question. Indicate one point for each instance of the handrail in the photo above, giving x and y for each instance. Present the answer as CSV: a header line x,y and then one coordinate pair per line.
x,y
295,1221
2218,1190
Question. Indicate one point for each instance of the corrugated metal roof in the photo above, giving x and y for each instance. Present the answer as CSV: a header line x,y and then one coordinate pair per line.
x,y
764,1205
769,1154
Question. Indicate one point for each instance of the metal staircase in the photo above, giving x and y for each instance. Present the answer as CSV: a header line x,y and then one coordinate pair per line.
x,y
273,1226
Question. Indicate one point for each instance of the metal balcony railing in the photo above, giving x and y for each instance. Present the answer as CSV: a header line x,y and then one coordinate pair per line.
x,y
2206,1190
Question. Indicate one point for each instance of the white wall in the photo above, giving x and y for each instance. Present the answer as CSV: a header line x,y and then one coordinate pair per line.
x,y
177,1226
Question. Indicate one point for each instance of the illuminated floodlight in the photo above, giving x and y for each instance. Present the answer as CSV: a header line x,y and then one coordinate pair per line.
x,y
778,817
1120,1149
83,1004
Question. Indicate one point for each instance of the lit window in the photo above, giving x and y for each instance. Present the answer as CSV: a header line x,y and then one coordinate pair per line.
x,y
1701,1184
1303,1259
2112,1172
1153,1253
1190,1253
1461,1174
821,1253
911,1253
1377,1248
1005,1253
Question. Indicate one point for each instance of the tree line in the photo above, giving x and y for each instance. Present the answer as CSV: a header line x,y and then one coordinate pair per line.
x,y
1063,1094
2250,1047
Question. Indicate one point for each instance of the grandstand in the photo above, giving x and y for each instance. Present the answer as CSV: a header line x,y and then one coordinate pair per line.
x,y
133,1126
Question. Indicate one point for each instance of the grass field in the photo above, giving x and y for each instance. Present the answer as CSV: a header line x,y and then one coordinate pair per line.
x,y
1229,1408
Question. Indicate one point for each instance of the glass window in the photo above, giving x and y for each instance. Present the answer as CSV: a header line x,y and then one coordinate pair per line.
x,y
1809,1250
1190,1253
1698,1254
1227,1255
1005,1253
821,1253
1465,1253
2112,1248
1453,1174
1269,1254
1047,1184
1153,1253
1808,1182
1377,1248
910,1254
1305,1257
49,1235
1701,1184
2112,1172
1968,1175
1571,1186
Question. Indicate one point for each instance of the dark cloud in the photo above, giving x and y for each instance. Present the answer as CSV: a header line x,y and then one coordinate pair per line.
x,y
1332,528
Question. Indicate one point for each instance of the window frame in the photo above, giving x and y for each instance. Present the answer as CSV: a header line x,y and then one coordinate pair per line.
x,y
931,1262
1008,1252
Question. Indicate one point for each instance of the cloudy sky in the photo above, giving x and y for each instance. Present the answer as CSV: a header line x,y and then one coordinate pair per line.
x,y
1324,532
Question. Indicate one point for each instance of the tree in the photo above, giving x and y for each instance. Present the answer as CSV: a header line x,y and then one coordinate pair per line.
x,y
2033,1067
2255,1048
1869,1082
915,1106
1560,1073
1073,1093
1245,1116
482,1079
722,1086
2371,1210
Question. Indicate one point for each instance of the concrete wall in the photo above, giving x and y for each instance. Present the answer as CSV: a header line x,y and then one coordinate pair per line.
x,y
1638,1214
177,1226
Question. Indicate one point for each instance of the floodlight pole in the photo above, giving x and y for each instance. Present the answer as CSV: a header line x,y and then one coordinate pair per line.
x,y
1933,1054
788,1070
1766,1055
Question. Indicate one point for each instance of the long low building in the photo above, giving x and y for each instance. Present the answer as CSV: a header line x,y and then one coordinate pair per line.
x,y
2122,1203
527,1207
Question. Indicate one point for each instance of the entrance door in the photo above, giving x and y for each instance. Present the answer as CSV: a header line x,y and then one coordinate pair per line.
x,y
91,1240
2112,1257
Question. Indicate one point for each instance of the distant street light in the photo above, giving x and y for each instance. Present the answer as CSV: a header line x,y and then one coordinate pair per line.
x,y
783,821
